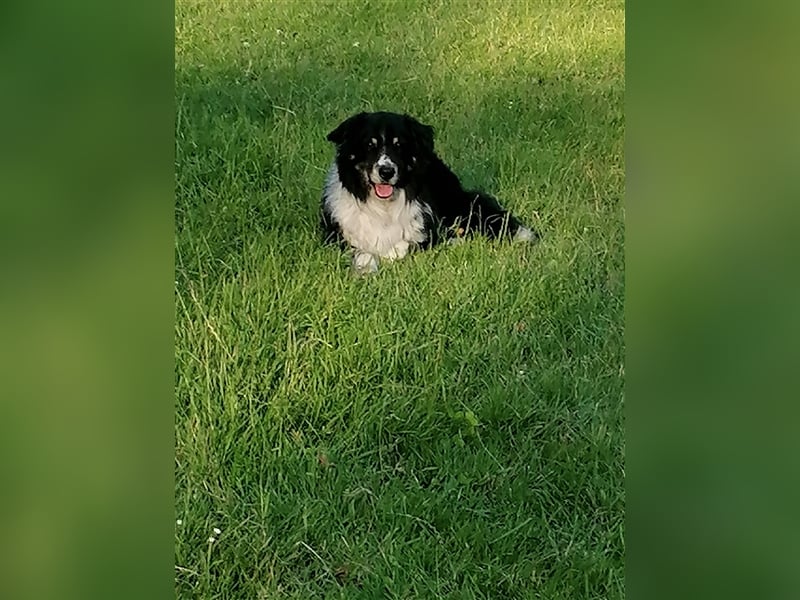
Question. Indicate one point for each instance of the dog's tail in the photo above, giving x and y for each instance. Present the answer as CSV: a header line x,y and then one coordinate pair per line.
x,y
489,218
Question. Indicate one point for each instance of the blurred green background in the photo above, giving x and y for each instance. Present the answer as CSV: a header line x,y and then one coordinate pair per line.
x,y
712,147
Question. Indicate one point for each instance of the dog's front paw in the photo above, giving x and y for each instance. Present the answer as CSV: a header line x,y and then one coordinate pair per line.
x,y
364,263
400,250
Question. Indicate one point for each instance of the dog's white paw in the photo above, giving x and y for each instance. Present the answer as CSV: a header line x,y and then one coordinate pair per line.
x,y
400,250
525,235
364,263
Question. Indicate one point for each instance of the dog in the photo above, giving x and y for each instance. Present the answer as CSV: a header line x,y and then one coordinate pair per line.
x,y
388,193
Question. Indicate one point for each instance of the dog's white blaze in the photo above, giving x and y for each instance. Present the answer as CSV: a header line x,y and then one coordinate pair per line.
x,y
385,228
385,160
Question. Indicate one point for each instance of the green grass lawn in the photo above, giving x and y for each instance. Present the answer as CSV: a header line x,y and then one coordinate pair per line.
x,y
451,427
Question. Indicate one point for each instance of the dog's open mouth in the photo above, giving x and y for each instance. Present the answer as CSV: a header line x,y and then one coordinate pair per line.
x,y
383,190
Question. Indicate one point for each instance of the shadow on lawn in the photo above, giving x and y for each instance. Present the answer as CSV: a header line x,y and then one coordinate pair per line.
x,y
223,113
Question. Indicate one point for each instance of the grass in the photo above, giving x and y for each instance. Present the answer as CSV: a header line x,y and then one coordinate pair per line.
x,y
451,427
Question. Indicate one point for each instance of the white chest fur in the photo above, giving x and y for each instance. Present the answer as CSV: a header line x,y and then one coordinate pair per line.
x,y
378,227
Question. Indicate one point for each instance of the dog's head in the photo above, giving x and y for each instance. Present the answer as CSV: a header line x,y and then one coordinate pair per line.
x,y
380,152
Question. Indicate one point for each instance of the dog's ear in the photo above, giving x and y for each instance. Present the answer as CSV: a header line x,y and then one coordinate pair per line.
x,y
421,134
340,134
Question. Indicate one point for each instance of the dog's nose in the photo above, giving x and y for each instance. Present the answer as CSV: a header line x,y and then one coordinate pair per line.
x,y
386,172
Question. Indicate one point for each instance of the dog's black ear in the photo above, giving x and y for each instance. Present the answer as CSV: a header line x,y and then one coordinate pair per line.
x,y
421,134
339,135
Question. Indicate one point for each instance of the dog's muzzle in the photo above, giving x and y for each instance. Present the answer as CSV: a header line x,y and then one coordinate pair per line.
x,y
384,177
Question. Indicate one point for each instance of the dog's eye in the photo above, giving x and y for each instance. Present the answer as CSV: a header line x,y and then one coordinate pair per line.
x,y
372,143
396,142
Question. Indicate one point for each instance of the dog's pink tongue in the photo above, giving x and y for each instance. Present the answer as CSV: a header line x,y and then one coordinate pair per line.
x,y
383,190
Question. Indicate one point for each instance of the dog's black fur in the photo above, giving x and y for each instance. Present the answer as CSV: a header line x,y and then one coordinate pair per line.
x,y
406,145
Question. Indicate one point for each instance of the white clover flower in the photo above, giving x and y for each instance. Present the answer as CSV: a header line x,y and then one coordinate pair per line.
x,y
217,530
179,521
212,539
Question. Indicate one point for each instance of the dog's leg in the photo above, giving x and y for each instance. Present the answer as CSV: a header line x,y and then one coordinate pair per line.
x,y
364,263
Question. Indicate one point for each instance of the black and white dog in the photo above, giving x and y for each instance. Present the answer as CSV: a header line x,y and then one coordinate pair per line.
x,y
387,192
